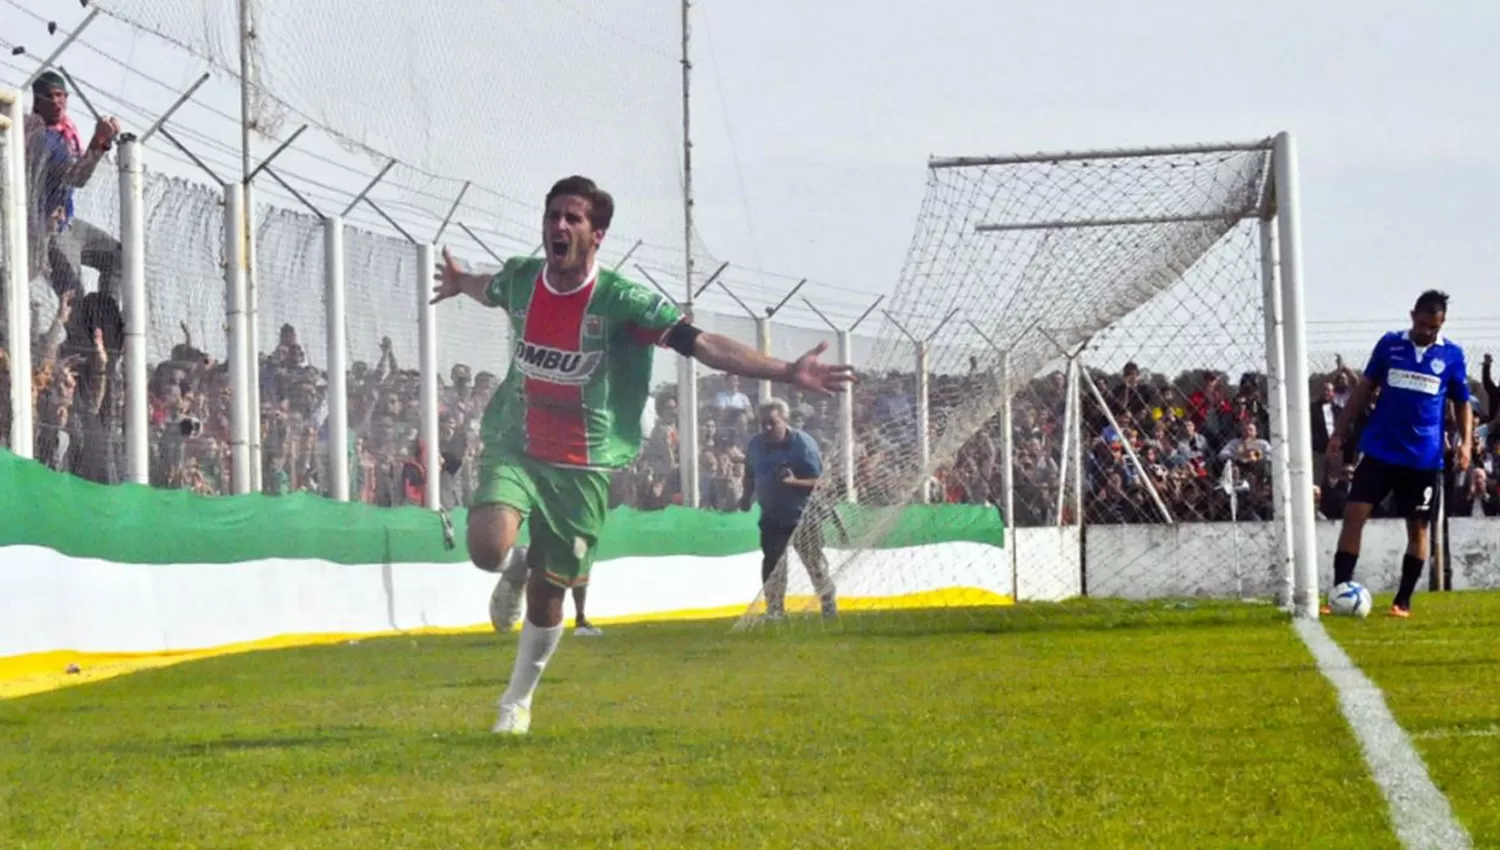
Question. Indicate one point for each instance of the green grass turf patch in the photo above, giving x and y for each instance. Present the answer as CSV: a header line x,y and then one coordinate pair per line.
x,y
1440,672
1038,726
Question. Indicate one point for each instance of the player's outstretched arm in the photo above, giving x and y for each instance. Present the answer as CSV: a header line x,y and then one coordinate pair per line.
x,y
452,280
806,372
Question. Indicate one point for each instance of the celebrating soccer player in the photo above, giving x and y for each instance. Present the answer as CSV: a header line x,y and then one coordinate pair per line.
x,y
1417,373
569,411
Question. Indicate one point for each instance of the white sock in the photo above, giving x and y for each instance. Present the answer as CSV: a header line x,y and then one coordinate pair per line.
x,y
536,647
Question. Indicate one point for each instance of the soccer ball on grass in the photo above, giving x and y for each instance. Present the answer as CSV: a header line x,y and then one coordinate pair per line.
x,y
1350,599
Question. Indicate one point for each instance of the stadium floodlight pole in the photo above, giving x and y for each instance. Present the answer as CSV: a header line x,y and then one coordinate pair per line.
x,y
1299,439
246,33
1281,503
687,367
252,288
845,347
17,276
1135,459
432,492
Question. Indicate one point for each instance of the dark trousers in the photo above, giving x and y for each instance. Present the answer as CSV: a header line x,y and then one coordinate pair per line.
x,y
774,540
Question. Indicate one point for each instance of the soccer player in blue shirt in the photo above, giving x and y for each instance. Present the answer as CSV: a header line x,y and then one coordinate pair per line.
x,y
1417,373
782,468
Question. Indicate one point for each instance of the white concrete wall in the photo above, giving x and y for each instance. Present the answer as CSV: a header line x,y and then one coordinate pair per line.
x,y
1229,559
55,602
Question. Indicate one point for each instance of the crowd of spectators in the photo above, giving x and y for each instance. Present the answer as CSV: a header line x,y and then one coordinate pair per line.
x,y
1197,440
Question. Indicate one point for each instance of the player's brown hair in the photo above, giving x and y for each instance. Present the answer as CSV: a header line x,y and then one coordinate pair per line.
x,y
601,204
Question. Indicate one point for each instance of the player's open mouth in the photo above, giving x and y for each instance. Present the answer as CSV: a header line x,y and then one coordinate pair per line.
x,y
559,248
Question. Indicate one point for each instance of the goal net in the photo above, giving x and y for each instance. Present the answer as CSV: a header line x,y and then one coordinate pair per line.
x,y
1075,394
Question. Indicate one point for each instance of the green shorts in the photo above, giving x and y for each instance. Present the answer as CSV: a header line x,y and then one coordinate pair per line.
x,y
566,509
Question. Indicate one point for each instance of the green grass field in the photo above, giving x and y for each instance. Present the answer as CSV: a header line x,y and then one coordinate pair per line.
x,y
1083,726
1440,672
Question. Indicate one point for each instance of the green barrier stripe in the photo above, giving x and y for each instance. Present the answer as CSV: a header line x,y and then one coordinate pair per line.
x,y
132,524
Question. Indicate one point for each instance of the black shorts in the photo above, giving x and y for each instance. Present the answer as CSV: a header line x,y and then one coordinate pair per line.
x,y
1415,490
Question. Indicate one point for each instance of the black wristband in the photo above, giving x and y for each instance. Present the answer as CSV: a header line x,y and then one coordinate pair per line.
x,y
682,337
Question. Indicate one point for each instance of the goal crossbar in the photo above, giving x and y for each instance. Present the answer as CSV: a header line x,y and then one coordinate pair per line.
x,y
1067,224
1103,153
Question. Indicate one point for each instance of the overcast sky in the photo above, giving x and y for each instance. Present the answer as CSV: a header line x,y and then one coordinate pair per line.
x,y
813,120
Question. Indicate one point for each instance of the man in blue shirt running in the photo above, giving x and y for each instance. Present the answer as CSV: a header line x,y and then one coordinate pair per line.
x,y
782,468
1417,373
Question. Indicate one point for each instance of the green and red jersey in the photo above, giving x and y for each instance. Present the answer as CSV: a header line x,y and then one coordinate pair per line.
x,y
580,370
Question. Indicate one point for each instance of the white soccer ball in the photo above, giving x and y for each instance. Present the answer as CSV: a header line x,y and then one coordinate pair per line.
x,y
1350,599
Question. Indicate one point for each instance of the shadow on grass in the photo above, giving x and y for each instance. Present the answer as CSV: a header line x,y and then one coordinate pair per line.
x,y
1075,616
315,739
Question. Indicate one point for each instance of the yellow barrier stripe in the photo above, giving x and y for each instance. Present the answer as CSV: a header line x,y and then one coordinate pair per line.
x,y
39,672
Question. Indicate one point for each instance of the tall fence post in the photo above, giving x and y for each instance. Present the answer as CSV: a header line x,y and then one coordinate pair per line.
x,y
846,421
338,357
1007,499
1065,450
240,350
845,342
252,337
18,277
1079,376
427,336
687,389
924,422
427,433
133,259
763,390
763,336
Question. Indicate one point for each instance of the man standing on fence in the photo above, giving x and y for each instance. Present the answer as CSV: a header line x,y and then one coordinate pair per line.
x,y
57,164
569,411
782,468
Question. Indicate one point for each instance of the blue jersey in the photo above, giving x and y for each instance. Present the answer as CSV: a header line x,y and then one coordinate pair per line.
x,y
1406,428
779,504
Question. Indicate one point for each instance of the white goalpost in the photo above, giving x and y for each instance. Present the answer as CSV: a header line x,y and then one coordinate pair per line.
x,y
1121,330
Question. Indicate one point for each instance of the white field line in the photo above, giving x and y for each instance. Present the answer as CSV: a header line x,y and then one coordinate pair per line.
x,y
1420,814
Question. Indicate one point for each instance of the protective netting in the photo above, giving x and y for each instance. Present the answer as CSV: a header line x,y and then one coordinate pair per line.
x,y
473,91
1015,268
